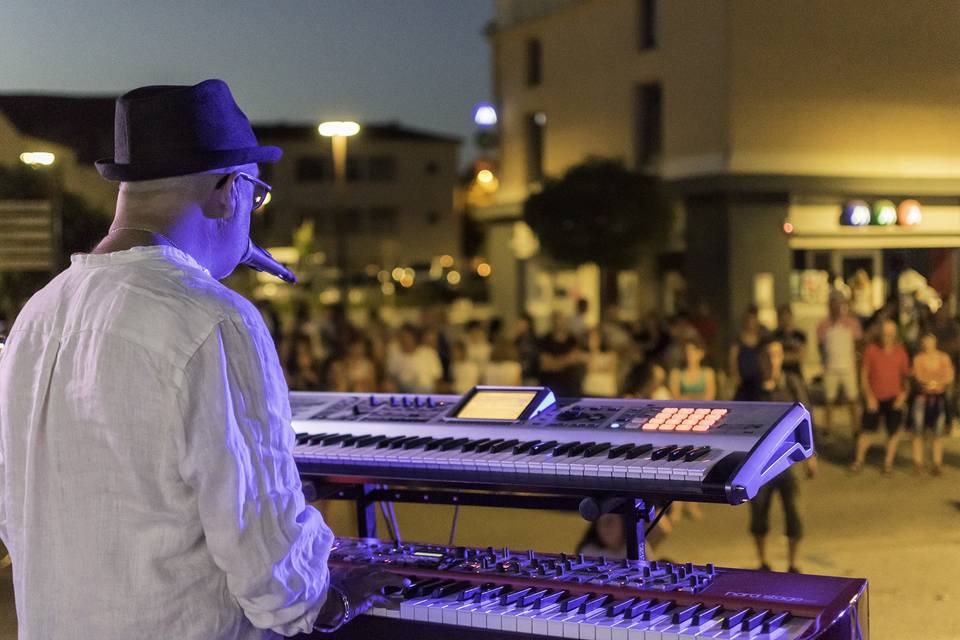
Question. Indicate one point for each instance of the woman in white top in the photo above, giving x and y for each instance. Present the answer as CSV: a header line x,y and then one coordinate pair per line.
x,y
464,373
601,363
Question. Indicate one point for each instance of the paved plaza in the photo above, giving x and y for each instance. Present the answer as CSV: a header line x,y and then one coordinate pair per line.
x,y
901,532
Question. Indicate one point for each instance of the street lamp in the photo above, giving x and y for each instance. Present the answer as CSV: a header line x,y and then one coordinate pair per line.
x,y
37,158
41,160
338,131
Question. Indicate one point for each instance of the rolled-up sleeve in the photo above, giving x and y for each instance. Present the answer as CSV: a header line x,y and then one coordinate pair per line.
x,y
237,444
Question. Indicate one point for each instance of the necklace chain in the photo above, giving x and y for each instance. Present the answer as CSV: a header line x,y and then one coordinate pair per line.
x,y
154,232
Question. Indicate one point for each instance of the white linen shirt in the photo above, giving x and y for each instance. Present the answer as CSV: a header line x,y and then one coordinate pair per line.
x,y
147,486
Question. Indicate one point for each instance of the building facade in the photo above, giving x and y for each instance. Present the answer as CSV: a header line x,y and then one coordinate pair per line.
x,y
765,119
394,207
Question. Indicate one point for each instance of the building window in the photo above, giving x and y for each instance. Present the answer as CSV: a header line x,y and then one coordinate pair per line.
x,y
384,220
535,126
649,123
313,169
348,221
534,62
382,169
647,24
432,168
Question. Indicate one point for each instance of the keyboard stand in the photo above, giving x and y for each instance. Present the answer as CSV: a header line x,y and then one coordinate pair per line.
x,y
637,513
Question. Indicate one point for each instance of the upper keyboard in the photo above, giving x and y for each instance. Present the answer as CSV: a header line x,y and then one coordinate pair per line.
x,y
708,451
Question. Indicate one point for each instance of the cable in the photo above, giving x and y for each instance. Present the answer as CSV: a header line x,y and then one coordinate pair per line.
x,y
453,525
386,519
396,523
654,522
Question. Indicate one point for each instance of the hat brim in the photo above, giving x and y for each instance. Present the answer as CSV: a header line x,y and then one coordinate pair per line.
x,y
186,164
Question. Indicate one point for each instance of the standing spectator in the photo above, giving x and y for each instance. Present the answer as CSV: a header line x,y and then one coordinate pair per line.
x,y
793,341
861,294
478,344
601,367
561,366
302,371
355,372
464,373
947,330
706,326
580,322
646,380
745,371
837,336
934,373
779,385
413,367
693,381
504,369
651,336
528,348
883,379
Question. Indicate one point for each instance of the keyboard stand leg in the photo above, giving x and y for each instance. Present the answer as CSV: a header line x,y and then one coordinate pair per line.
x,y
635,519
366,513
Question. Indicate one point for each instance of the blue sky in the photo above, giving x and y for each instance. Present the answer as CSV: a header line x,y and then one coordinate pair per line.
x,y
422,62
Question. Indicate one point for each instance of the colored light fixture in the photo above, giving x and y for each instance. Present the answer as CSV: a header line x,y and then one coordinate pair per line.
x,y
484,115
884,213
909,213
856,213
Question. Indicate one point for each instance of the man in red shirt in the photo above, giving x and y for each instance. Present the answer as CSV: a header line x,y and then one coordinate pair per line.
x,y
884,380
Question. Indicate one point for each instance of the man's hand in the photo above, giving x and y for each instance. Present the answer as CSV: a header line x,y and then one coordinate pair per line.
x,y
872,404
363,587
900,401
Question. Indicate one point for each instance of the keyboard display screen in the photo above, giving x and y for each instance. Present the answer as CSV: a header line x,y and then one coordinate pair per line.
x,y
496,405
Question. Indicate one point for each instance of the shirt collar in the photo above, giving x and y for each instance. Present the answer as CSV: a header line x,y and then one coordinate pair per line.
x,y
136,254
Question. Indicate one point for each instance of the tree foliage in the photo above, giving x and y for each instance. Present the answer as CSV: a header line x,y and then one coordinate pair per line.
x,y
601,212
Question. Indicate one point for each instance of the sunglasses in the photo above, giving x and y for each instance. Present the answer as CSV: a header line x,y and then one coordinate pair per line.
x,y
260,188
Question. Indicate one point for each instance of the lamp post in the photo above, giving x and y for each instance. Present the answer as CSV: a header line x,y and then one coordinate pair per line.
x,y
45,160
338,131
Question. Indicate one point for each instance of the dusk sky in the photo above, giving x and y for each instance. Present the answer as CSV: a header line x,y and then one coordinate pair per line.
x,y
422,62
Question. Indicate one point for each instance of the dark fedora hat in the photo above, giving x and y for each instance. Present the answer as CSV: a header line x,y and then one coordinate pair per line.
x,y
168,130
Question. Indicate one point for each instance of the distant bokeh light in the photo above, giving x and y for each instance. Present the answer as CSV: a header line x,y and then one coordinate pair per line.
x,y
485,115
909,213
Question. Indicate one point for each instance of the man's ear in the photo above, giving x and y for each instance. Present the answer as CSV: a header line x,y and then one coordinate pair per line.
x,y
224,196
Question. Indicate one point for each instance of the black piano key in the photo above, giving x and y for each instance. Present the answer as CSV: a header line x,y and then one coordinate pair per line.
x,y
454,444
302,437
656,610
686,613
349,442
579,449
450,589
513,596
595,603
636,609
366,441
317,438
411,590
543,447
470,445
503,446
619,606
334,439
597,449
388,442
773,623
533,597
662,452
564,448
416,443
572,603
705,615
549,599
678,453
493,592
755,620
396,444
638,450
616,452
470,592
523,447
699,452
486,446
733,620
439,442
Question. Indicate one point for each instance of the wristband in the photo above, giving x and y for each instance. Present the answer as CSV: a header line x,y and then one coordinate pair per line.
x,y
344,617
